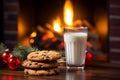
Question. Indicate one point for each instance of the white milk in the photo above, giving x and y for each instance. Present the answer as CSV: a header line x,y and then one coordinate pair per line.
x,y
75,47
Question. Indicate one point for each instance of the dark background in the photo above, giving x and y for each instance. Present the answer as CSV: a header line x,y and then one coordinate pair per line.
x,y
43,11
1,20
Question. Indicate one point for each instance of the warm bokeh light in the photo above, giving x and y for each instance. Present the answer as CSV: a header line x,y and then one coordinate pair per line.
x,y
48,35
21,28
32,41
41,29
89,44
101,25
68,13
22,31
33,34
57,27
56,24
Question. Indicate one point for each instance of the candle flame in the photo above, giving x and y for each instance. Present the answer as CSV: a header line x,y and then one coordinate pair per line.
x,y
68,12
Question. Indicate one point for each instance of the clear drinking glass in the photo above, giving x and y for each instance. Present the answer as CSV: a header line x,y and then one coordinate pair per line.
x,y
75,46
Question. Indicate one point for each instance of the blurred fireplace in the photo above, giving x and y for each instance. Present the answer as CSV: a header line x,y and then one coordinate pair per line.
x,y
36,17
21,13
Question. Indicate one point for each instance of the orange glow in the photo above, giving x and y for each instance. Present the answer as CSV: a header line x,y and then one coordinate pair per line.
x,y
68,12
22,31
89,44
21,28
57,27
41,29
61,45
54,39
56,24
32,40
25,41
33,34
101,25
48,35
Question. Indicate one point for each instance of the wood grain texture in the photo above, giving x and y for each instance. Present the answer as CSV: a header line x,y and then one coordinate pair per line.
x,y
93,73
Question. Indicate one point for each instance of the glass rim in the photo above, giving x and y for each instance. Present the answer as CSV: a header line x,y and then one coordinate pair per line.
x,y
81,27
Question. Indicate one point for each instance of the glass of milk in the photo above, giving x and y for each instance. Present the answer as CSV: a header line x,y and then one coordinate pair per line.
x,y
75,46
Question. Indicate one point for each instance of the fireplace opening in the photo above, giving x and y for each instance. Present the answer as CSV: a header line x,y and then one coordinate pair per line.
x,y
41,22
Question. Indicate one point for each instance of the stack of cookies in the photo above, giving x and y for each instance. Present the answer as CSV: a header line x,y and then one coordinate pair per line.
x,y
42,63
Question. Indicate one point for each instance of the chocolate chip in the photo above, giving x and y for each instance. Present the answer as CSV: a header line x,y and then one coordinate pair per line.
x,y
36,63
37,53
30,64
40,66
47,57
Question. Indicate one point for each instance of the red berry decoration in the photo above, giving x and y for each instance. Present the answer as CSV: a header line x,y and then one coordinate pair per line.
x,y
88,58
5,55
14,63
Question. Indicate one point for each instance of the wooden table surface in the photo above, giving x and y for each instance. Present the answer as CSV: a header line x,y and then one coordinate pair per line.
x,y
90,73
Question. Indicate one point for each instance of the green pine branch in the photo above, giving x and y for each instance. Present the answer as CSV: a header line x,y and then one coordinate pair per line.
x,y
22,51
2,48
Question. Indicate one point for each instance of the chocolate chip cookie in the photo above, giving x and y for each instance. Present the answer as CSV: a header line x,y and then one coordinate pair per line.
x,y
42,72
39,65
44,55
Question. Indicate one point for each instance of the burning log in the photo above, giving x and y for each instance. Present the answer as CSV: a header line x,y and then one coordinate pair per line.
x,y
47,38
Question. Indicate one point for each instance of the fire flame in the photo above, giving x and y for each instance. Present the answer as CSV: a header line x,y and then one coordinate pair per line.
x,y
68,13
57,27
56,24
33,34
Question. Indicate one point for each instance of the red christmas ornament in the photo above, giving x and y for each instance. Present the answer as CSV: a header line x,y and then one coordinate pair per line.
x,y
14,63
88,58
5,55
